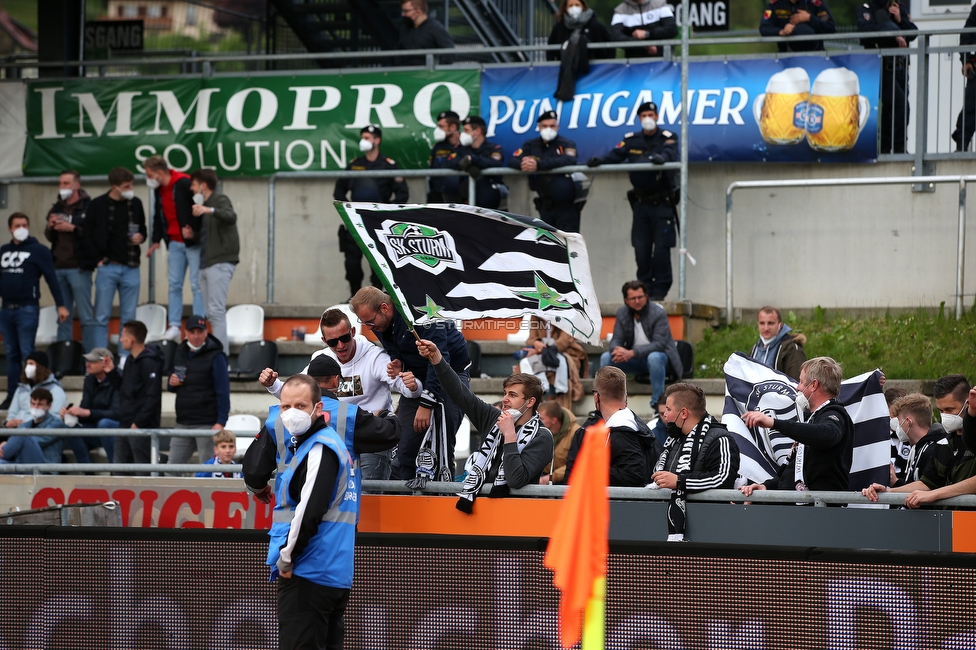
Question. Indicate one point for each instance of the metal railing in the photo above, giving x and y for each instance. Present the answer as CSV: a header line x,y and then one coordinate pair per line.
x,y
930,181
154,466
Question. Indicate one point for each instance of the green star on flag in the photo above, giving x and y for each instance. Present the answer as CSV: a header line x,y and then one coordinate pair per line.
x,y
545,295
431,309
543,233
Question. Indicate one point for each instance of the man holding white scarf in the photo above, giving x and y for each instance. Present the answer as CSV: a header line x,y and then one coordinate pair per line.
x,y
824,450
516,446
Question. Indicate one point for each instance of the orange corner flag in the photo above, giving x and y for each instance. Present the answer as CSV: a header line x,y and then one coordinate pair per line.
x,y
578,546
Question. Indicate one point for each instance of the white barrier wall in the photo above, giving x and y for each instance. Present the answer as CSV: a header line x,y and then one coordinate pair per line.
x,y
879,247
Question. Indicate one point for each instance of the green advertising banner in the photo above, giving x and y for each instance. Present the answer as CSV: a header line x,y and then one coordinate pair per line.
x,y
240,126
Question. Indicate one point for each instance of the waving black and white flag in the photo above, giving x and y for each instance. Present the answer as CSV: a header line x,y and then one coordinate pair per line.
x,y
463,262
751,386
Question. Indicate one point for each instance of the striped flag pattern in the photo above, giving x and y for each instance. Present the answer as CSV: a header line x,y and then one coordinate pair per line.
x,y
751,386
463,262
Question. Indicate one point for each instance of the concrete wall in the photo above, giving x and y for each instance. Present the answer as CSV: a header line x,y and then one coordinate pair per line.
x,y
873,247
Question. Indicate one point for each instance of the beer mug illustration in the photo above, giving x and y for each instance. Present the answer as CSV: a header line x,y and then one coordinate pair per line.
x,y
836,112
781,110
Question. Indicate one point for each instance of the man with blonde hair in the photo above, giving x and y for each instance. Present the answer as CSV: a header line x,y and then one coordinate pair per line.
x,y
824,449
633,449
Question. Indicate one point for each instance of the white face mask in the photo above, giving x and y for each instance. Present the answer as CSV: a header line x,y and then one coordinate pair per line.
x,y
38,413
198,199
901,433
152,183
439,134
548,134
30,371
574,11
128,195
802,403
195,348
951,423
296,421
365,146
65,193
648,124
21,234
467,139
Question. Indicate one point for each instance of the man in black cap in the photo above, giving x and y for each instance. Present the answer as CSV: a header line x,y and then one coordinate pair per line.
x,y
363,188
202,386
653,233
99,407
476,154
445,189
556,202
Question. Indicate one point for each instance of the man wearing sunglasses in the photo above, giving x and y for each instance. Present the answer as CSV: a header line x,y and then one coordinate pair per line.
x,y
363,381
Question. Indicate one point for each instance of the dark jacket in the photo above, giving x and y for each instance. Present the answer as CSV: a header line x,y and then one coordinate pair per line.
x,y
70,249
218,229
829,440
953,464
594,31
21,268
183,201
107,229
654,320
400,343
714,458
778,13
633,450
923,453
204,396
365,188
559,152
574,57
969,430
968,39
874,16
140,395
656,17
101,398
444,188
431,35
640,147
790,354
521,468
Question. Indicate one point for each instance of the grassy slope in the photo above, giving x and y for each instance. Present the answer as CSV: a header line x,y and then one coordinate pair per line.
x,y
909,346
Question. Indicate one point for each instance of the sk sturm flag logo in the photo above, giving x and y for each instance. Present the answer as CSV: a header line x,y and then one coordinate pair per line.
x,y
427,248
462,262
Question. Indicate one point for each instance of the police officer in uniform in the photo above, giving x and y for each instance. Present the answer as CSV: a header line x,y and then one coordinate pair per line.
x,y
475,155
557,192
797,18
445,189
367,189
889,16
653,233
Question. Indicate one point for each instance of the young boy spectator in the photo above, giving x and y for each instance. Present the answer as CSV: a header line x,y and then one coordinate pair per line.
x,y
225,448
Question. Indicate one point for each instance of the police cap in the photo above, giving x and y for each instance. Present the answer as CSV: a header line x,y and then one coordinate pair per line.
x,y
448,115
372,130
647,106
476,121
548,115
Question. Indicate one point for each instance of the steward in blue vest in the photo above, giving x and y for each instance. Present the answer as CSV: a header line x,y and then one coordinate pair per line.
x,y
313,534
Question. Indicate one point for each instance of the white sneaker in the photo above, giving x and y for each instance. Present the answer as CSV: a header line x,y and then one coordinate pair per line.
x,y
173,333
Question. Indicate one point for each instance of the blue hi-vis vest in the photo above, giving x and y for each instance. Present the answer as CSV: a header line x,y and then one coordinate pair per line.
x,y
342,418
328,558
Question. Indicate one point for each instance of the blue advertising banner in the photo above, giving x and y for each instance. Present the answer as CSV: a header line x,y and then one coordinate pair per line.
x,y
794,109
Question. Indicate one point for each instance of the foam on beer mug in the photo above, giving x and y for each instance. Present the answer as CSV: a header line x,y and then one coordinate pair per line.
x,y
836,112
781,111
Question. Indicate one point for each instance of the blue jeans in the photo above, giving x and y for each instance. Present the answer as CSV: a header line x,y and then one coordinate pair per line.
x,y
180,257
23,449
655,365
81,446
18,328
109,279
375,467
76,288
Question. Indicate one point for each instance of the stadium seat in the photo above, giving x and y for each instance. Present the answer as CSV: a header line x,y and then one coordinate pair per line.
x,y
168,349
245,427
254,357
65,358
245,324
521,337
153,316
47,327
687,353
474,354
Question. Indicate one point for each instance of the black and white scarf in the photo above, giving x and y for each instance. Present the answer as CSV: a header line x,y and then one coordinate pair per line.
x,y
677,506
490,458
432,458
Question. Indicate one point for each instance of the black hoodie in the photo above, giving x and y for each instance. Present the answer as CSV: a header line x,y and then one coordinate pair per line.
x,y
140,395
634,450
21,268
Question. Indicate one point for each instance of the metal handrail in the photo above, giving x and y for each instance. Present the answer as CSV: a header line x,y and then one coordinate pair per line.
x,y
963,181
